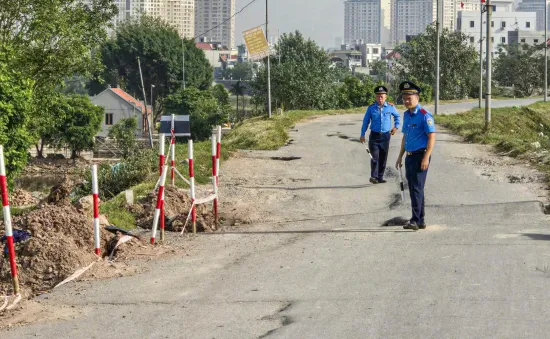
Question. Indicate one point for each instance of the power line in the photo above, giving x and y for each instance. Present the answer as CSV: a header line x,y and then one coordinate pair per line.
x,y
223,22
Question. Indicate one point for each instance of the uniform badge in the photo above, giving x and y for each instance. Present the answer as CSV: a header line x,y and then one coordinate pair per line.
x,y
406,85
430,121
380,89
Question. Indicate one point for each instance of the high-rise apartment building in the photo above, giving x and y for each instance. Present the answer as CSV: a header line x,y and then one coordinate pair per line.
x,y
215,21
411,17
362,21
178,13
536,6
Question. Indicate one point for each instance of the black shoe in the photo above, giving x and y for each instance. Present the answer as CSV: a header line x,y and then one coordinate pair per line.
x,y
422,226
381,181
373,180
411,226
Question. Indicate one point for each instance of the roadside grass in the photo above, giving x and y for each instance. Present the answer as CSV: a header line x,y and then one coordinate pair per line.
x,y
521,132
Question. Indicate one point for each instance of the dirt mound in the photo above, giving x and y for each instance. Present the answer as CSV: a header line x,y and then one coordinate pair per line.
x,y
62,241
176,207
59,194
19,197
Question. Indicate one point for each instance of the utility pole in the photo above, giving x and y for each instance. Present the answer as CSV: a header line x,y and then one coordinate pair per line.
x,y
268,66
150,131
183,64
152,102
482,9
437,71
488,52
545,50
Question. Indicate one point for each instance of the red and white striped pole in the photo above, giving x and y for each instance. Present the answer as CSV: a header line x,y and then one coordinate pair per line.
x,y
218,153
160,196
7,222
95,194
192,184
161,152
173,150
162,218
214,176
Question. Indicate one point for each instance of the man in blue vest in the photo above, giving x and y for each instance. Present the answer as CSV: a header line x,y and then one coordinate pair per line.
x,y
378,115
418,143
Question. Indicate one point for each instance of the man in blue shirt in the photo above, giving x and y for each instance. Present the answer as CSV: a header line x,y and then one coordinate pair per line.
x,y
418,143
378,115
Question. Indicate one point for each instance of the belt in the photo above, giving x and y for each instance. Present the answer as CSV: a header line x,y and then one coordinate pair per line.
x,y
422,150
373,132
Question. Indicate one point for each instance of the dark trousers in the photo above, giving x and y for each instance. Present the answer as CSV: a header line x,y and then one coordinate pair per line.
x,y
379,144
416,179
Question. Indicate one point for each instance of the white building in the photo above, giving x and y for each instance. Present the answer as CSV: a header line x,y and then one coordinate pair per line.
x,y
362,21
411,17
385,23
536,6
180,14
501,23
213,23
371,53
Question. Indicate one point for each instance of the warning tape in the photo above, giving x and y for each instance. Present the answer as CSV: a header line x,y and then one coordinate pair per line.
x,y
75,275
182,177
197,202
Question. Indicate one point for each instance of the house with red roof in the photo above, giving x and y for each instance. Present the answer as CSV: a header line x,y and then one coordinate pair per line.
x,y
119,105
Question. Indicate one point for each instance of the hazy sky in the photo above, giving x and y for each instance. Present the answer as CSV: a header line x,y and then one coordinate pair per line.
x,y
320,20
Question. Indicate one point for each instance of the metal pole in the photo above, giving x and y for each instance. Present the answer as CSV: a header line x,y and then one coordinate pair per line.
x,y
183,62
152,105
488,67
480,55
268,66
437,71
545,50
150,131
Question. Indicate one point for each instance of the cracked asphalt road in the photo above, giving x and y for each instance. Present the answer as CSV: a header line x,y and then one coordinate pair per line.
x,y
317,263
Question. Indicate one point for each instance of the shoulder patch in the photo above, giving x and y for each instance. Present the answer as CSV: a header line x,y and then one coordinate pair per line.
x,y
423,111
430,121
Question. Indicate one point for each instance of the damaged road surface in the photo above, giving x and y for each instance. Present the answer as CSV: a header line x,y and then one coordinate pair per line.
x,y
319,262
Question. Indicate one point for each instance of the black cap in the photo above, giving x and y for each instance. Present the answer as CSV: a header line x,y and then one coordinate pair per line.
x,y
408,87
380,90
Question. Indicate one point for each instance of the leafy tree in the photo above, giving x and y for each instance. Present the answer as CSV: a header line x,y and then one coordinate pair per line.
x,y
520,66
222,95
303,79
15,104
124,131
202,108
359,93
457,59
243,71
238,90
159,48
80,120
53,39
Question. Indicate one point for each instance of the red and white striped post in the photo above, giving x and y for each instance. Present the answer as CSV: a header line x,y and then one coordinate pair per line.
x,y
192,184
95,194
7,222
218,153
214,177
161,152
160,196
173,150
162,218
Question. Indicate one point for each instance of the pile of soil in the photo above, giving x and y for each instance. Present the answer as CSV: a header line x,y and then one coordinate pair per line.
x,y
62,241
19,198
177,204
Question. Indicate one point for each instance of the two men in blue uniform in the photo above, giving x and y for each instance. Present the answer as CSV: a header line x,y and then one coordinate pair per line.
x,y
378,116
418,143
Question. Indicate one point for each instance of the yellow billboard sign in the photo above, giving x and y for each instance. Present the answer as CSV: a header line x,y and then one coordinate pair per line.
x,y
256,43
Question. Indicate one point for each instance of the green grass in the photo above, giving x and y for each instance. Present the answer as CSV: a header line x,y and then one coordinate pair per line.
x,y
17,211
513,130
262,133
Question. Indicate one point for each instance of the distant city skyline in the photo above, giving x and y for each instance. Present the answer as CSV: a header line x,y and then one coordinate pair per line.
x,y
320,20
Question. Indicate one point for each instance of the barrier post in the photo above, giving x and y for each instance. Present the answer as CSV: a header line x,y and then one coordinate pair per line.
x,y
173,149
159,204
192,184
7,222
95,194
214,177
161,152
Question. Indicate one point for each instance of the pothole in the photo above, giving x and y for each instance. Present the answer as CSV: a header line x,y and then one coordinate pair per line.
x,y
285,158
343,137
396,221
347,124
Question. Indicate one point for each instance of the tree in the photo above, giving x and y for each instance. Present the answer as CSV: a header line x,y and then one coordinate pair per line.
x,y
457,59
80,120
159,48
520,66
54,39
124,131
15,104
358,93
303,79
222,95
238,90
202,108
243,71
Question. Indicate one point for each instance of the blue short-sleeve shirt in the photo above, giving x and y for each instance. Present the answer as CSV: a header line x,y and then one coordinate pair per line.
x,y
417,124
